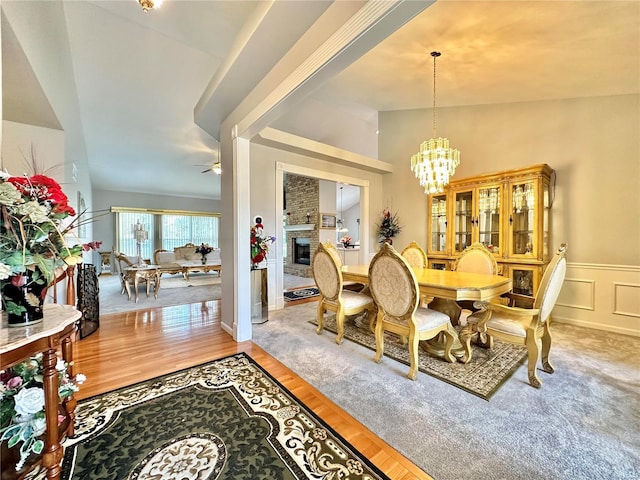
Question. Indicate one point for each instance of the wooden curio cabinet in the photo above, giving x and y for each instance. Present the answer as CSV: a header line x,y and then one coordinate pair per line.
x,y
506,211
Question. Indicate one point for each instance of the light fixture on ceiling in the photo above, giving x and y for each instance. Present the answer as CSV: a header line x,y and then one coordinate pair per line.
x,y
340,223
436,162
149,4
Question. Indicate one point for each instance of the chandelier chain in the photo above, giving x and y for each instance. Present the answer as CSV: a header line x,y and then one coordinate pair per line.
x,y
434,55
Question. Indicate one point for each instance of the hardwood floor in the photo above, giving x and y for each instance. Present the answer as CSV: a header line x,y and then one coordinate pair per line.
x,y
135,346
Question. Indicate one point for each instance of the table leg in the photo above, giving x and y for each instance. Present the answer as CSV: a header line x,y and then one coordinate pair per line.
x,y
436,346
127,287
156,287
52,453
135,286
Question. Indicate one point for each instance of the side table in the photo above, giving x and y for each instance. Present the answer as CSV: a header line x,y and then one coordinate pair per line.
x,y
147,273
57,329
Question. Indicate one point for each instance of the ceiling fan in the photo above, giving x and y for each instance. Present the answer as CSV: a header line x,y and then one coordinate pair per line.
x,y
216,167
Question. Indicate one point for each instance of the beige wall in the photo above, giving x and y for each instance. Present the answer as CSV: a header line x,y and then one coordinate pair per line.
x,y
593,144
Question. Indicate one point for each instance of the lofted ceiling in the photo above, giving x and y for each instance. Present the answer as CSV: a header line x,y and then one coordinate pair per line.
x,y
138,77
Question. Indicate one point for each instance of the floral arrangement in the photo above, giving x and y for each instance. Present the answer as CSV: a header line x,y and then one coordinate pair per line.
x,y
389,225
259,244
346,240
32,235
204,249
22,416
32,211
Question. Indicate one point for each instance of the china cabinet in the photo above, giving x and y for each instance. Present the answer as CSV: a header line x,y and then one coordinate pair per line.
x,y
506,211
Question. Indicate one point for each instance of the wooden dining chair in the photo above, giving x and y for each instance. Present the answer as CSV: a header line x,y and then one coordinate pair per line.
x,y
415,255
524,326
476,258
328,278
395,291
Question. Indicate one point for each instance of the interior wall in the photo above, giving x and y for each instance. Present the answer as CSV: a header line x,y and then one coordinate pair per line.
x,y
592,143
264,162
594,146
51,159
104,227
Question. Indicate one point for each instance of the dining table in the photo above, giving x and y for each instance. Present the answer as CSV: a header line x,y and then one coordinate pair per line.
x,y
446,287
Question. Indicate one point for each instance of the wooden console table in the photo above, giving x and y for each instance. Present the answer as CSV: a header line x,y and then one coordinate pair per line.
x,y
57,329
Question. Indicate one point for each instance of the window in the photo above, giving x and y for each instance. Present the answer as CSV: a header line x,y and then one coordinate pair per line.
x,y
180,229
166,229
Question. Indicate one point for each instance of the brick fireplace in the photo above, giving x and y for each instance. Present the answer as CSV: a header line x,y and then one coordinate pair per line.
x,y
302,198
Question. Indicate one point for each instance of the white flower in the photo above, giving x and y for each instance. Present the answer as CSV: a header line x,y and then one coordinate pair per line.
x,y
29,401
80,378
5,271
39,426
37,213
9,194
60,365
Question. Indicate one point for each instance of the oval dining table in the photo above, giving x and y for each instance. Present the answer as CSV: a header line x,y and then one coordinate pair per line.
x,y
446,287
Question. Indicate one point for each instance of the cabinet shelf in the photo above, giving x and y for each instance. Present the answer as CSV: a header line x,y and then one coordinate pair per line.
x,y
520,240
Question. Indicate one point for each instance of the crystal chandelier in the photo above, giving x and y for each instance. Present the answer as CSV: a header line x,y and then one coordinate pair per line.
x,y
149,4
436,162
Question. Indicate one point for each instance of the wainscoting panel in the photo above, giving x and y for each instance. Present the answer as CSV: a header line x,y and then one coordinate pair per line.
x,y
626,299
603,297
582,291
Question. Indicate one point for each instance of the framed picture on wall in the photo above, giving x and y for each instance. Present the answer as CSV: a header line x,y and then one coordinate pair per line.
x,y
328,220
82,228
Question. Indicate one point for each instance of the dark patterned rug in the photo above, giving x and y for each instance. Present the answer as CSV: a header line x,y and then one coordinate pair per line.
x,y
228,419
482,376
300,293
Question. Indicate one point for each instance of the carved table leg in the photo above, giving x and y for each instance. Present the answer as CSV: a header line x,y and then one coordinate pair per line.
x,y
52,453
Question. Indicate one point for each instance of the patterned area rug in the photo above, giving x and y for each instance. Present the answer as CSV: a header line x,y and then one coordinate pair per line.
x,y
300,293
482,376
228,419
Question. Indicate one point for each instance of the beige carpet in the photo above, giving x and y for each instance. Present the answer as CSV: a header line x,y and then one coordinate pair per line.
x,y
174,290
482,376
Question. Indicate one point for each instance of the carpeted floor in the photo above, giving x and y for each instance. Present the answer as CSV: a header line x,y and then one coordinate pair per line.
x,y
228,419
482,376
174,290
583,423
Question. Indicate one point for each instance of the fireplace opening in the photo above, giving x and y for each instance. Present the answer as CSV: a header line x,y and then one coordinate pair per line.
x,y
302,251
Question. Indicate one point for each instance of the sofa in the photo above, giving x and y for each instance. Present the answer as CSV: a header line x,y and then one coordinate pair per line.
x,y
167,260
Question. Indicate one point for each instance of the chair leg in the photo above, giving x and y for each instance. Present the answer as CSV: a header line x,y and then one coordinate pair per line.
x,y
379,338
340,324
320,316
533,351
546,347
413,356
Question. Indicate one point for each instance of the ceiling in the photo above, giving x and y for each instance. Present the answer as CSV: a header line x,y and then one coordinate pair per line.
x,y
138,76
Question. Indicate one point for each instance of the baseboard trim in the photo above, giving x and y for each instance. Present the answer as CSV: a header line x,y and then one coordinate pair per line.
x,y
596,326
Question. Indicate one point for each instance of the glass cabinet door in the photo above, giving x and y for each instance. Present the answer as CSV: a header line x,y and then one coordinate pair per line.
x,y
463,228
522,220
438,224
488,221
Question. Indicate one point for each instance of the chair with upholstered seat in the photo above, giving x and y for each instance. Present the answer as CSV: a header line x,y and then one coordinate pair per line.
x,y
328,278
476,258
415,255
395,291
525,326
125,261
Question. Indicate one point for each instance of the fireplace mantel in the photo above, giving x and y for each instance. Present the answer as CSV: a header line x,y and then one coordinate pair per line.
x,y
300,227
